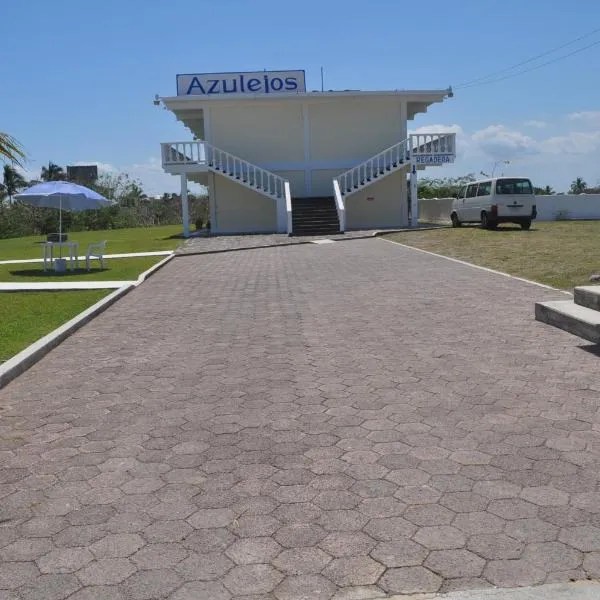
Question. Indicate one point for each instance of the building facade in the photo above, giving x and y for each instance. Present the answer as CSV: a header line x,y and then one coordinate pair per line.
x,y
265,148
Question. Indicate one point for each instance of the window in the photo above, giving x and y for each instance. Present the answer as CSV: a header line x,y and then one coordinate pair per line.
x,y
472,190
485,188
513,186
462,192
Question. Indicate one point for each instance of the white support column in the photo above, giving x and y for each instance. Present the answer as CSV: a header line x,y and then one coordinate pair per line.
x,y
185,211
306,136
414,200
212,203
281,215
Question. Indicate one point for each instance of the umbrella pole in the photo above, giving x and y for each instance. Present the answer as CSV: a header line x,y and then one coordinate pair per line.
x,y
60,225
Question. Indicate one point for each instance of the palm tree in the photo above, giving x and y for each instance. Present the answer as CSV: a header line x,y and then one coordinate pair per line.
x,y
12,182
578,186
53,173
10,149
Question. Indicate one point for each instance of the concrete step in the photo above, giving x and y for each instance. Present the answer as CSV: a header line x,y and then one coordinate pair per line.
x,y
565,314
588,296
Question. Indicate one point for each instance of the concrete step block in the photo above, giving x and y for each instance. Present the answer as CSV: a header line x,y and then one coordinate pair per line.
x,y
588,296
565,314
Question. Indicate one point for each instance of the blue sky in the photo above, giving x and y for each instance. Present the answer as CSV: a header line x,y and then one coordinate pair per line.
x,y
77,79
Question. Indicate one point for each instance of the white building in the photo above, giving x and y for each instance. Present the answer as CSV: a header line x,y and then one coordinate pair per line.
x,y
276,158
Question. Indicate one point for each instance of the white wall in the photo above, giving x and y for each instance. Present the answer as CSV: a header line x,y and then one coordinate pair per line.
x,y
549,208
241,210
568,206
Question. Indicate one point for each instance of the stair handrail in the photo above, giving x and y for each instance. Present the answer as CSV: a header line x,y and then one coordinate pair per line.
x,y
398,153
339,205
203,153
288,205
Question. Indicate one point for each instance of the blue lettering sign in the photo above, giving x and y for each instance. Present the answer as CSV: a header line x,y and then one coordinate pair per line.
x,y
277,84
434,159
264,82
253,85
233,89
195,84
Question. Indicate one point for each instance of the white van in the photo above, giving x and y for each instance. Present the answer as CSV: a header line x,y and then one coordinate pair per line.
x,y
493,201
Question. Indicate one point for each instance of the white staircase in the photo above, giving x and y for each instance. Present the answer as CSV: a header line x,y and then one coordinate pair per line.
x,y
374,169
418,150
192,157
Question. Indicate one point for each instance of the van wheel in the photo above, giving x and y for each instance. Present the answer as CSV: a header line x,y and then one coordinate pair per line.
x,y
526,225
455,221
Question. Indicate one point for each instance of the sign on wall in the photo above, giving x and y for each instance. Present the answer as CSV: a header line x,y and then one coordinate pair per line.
x,y
434,159
253,83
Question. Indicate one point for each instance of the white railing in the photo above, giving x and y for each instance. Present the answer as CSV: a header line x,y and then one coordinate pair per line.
x,y
432,148
385,162
339,205
206,156
418,148
288,205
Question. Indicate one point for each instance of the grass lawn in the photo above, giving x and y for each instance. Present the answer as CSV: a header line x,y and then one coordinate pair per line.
x,y
125,269
120,241
27,316
562,254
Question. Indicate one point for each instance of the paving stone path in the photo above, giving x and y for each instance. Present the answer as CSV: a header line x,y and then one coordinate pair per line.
x,y
340,421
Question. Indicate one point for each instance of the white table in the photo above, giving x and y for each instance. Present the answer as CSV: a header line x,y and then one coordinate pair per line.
x,y
49,254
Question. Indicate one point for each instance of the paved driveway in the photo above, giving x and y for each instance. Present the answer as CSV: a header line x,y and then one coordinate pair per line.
x,y
304,422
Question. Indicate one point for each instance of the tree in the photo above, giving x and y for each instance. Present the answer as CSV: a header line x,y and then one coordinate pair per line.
x,y
53,173
446,187
12,182
545,191
578,186
11,150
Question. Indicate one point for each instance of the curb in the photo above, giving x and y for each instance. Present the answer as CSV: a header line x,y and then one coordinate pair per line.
x,y
366,236
479,267
25,359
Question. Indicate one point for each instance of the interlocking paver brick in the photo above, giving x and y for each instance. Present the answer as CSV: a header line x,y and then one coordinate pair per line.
x,y
206,567
583,537
442,537
302,561
359,570
513,573
410,580
252,579
315,587
286,429
495,546
347,543
459,563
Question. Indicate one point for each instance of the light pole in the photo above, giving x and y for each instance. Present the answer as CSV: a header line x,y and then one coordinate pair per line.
x,y
498,162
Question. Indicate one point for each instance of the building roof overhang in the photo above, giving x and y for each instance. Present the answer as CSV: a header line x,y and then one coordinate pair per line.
x,y
194,102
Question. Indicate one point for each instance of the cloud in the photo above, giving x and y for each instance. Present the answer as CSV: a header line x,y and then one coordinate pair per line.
x,y
588,116
500,143
536,124
575,142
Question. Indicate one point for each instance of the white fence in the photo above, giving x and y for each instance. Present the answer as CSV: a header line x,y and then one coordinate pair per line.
x,y
549,208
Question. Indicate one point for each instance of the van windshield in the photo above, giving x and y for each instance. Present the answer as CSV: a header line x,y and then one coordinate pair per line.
x,y
513,186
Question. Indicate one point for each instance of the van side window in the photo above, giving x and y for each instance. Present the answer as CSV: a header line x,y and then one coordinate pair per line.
x,y
472,190
485,188
462,192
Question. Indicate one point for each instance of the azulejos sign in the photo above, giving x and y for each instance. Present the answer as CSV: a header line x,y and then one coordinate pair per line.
x,y
253,83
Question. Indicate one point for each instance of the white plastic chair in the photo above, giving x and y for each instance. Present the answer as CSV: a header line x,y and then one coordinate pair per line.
x,y
95,251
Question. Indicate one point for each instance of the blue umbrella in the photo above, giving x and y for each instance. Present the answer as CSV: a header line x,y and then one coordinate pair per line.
x,y
64,196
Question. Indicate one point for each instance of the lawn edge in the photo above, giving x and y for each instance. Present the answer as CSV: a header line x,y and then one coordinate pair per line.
x,y
25,359
474,266
29,356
